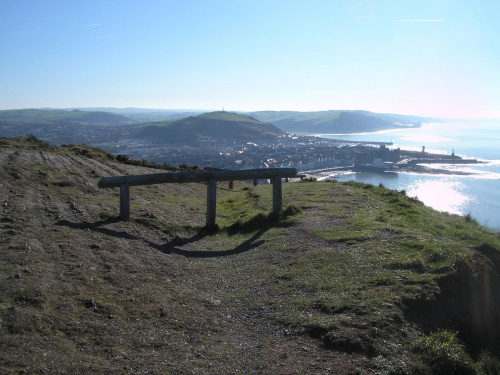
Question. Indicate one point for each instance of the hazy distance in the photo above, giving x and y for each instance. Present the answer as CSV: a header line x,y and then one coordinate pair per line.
x,y
423,58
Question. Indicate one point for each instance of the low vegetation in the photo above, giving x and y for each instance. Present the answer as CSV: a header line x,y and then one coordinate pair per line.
x,y
349,278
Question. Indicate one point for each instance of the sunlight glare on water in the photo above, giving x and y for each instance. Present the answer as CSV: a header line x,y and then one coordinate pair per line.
x,y
461,188
443,195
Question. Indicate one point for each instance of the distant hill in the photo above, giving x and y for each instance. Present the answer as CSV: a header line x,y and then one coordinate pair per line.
x,y
57,116
153,116
141,115
337,122
213,125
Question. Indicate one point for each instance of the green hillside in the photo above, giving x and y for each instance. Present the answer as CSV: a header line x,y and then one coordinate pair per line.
x,y
213,125
53,116
336,122
350,279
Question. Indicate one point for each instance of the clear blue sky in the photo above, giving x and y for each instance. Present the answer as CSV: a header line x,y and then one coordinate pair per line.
x,y
430,58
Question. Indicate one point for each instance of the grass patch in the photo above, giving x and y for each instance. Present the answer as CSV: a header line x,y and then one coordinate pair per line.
x,y
285,217
445,353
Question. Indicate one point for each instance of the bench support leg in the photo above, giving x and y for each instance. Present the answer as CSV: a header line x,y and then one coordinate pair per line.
x,y
125,202
211,202
277,194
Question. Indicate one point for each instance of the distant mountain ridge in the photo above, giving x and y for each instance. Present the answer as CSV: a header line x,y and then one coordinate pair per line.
x,y
337,122
86,125
313,122
213,125
55,116
141,115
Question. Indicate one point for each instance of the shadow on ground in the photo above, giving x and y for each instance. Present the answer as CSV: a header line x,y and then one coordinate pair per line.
x,y
173,246
251,243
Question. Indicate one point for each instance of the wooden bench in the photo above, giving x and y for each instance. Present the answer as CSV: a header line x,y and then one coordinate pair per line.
x,y
210,177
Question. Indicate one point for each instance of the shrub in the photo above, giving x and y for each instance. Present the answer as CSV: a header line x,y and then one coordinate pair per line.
x,y
290,210
122,158
444,353
310,179
188,168
38,143
468,218
256,221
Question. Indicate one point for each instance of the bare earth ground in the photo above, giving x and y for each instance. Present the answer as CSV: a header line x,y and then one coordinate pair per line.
x,y
83,292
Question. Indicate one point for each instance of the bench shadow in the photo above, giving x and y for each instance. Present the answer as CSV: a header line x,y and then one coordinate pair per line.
x,y
172,246
251,243
96,226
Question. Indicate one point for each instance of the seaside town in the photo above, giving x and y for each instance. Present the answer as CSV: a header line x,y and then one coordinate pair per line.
x,y
316,157
301,152
311,155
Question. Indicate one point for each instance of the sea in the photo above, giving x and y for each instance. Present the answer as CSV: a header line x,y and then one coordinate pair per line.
x,y
476,194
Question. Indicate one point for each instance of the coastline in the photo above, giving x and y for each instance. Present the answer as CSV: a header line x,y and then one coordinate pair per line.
x,y
320,174
422,169
464,188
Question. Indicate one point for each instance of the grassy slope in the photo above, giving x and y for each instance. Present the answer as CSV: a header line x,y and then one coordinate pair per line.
x,y
361,280
371,265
